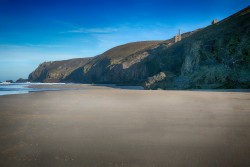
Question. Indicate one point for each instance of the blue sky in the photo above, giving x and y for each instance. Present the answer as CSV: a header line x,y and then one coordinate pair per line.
x,y
34,31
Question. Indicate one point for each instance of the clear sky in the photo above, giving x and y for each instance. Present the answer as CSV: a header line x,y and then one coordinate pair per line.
x,y
34,31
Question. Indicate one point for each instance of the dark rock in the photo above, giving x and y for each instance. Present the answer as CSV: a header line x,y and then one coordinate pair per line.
x,y
21,80
10,81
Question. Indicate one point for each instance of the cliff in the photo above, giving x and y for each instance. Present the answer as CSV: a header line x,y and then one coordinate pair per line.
x,y
214,57
56,71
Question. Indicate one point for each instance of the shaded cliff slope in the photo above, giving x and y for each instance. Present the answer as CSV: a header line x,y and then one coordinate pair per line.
x,y
214,57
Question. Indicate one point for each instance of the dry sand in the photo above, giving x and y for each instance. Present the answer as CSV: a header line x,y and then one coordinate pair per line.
x,y
106,127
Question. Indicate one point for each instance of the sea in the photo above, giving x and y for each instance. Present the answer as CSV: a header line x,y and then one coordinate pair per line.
x,y
7,88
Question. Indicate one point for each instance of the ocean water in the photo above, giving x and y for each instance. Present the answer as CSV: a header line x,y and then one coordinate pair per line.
x,y
21,88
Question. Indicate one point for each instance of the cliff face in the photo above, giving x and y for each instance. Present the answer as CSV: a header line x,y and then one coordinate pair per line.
x,y
214,57
103,68
56,71
119,65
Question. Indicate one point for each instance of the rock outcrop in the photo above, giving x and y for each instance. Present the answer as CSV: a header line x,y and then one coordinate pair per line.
x,y
216,56
9,81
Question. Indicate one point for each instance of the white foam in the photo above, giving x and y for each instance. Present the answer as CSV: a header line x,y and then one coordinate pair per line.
x,y
20,88
12,92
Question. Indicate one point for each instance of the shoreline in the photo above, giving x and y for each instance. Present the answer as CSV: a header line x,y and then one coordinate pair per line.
x,y
40,87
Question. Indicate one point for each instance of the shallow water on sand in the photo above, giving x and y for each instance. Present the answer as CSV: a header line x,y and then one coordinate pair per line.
x,y
21,88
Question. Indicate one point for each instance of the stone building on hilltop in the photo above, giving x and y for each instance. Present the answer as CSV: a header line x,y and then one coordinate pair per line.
x,y
214,21
178,37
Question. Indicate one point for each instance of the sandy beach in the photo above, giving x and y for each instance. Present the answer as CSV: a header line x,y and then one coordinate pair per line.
x,y
95,126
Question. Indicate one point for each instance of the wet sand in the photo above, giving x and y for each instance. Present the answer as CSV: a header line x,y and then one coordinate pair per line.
x,y
97,126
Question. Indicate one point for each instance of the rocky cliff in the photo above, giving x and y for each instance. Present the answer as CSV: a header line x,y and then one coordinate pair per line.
x,y
56,71
216,56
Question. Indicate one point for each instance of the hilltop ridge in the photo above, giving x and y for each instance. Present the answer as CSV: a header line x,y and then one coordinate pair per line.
x,y
216,56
